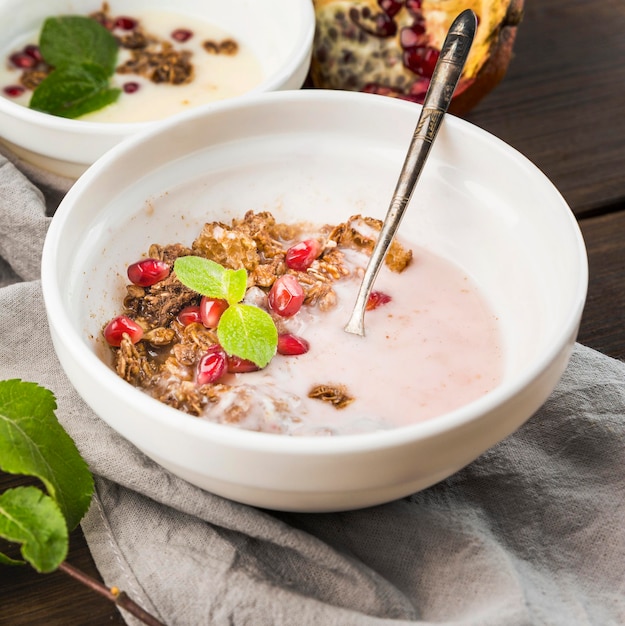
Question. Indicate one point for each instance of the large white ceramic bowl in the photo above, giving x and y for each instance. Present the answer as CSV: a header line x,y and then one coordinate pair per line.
x,y
319,156
279,32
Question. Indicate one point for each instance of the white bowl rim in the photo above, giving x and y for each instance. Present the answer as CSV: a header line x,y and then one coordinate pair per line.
x,y
276,443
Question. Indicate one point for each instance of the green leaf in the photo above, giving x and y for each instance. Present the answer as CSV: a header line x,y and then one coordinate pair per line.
x,y
74,39
33,443
202,275
74,91
236,285
5,560
33,519
248,332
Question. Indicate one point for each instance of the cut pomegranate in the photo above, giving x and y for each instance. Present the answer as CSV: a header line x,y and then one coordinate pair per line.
x,y
286,296
345,57
211,309
14,91
190,315
377,299
292,345
22,60
378,25
148,272
237,365
131,86
120,326
301,255
212,366
181,34
125,23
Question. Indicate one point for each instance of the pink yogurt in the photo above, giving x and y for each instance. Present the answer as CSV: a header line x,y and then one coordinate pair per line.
x,y
435,347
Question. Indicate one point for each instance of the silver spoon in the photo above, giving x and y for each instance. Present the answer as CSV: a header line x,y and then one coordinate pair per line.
x,y
446,74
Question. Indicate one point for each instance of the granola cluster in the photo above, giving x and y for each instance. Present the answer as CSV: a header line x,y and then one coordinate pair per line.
x,y
164,361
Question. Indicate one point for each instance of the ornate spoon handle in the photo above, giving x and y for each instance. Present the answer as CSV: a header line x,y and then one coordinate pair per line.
x,y
446,74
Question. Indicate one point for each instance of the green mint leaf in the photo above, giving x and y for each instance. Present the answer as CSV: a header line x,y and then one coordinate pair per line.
x,y
202,275
70,40
33,443
34,520
248,332
236,285
74,91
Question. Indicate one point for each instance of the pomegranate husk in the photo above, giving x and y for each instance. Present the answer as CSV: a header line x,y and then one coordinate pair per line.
x,y
493,58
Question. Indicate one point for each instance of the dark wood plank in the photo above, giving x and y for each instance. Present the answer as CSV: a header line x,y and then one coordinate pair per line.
x,y
603,322
562,101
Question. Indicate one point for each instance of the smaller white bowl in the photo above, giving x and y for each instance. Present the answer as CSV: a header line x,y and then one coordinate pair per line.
x,y
313,155
279,32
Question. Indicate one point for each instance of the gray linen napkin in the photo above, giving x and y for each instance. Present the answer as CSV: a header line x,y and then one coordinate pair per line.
x,y
533,532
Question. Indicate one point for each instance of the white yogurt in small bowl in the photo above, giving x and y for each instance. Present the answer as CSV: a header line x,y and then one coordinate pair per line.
x,y
273,41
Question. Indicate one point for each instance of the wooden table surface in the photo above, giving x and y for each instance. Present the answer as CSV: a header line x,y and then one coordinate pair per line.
x,y
562,104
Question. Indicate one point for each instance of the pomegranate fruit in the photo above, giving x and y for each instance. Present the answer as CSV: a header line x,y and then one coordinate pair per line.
x,y
190,315
237,365
211,310
300,256
118,327
148,272
212,366
377,299
286,296
292,345
181,34
390,47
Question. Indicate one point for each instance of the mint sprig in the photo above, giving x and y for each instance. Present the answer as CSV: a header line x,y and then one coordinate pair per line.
x,y
244,330
84,55
33,443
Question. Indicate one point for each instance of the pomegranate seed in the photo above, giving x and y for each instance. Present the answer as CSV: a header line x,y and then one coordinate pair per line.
x,y
120,326
286,296
412,36
376,299
125,23
211,309
212,366
22,60
14,91
148,272
390,7
190,315
181,34
414,7
33,51
301,255
292,345
131,87
237,365
421,60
